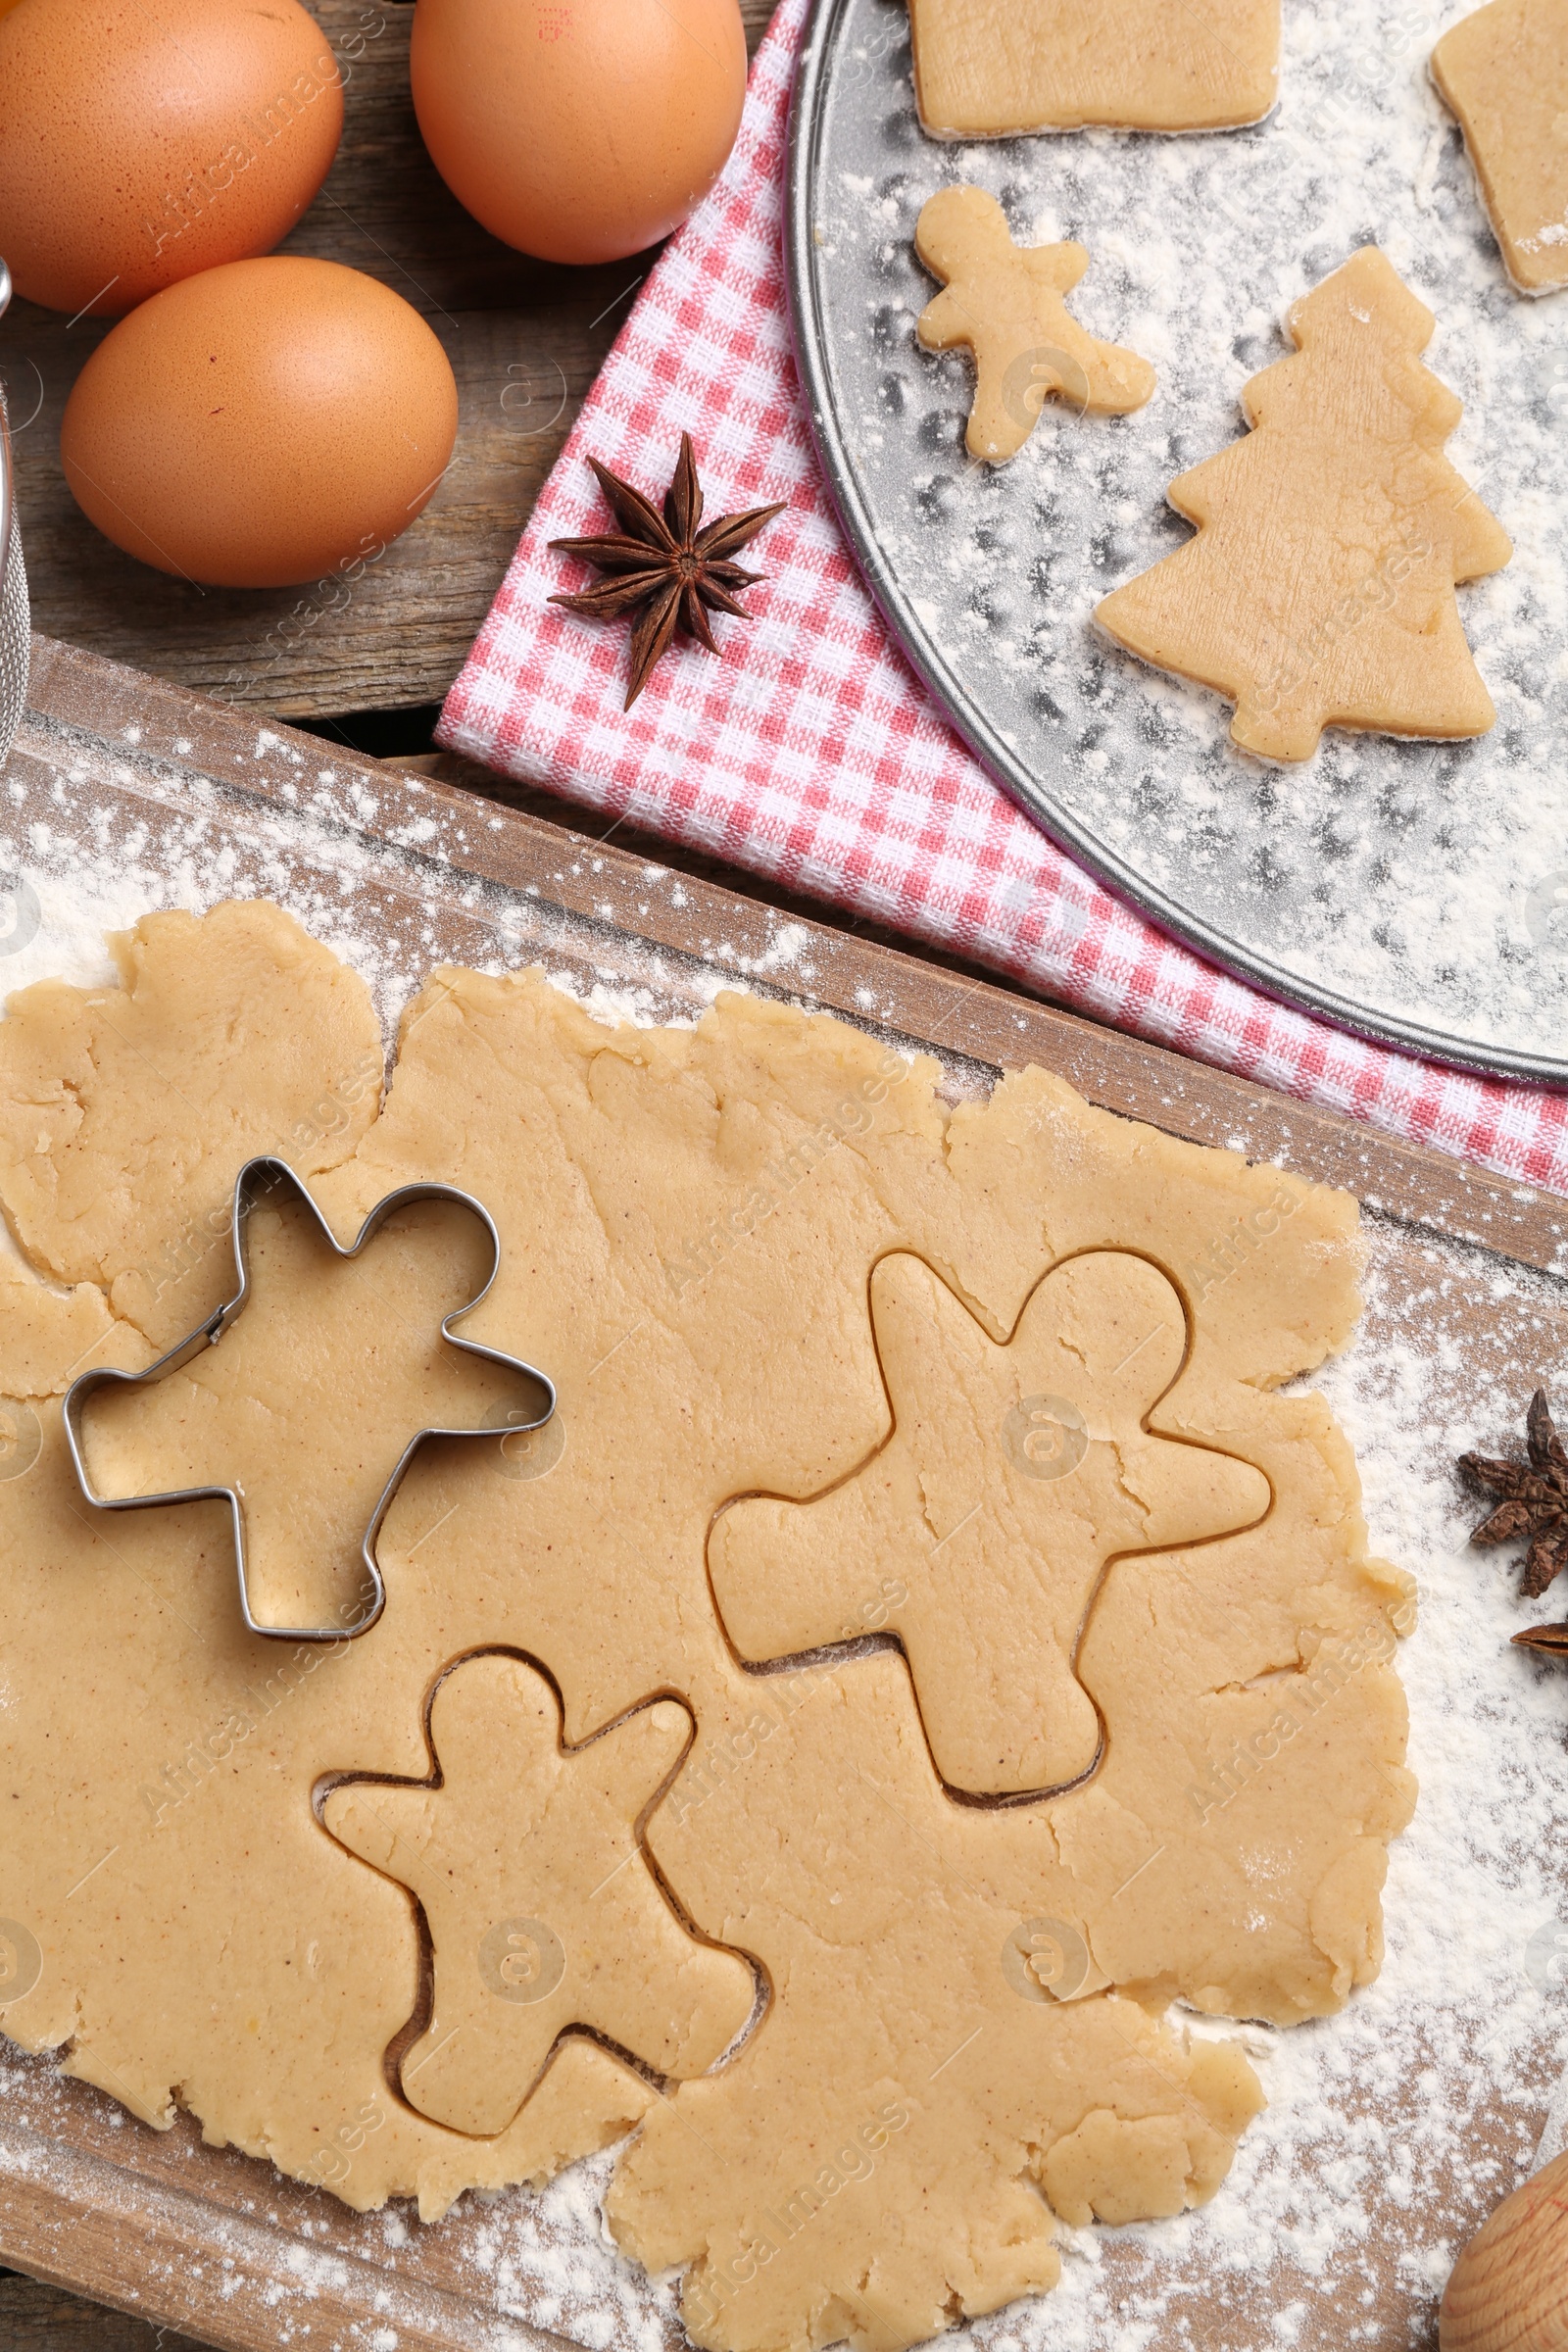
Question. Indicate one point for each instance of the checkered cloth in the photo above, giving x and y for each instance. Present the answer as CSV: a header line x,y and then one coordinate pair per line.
x,y
810,751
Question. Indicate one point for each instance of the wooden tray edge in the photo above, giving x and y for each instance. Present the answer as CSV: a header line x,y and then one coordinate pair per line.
x,y
989,1021
148,2249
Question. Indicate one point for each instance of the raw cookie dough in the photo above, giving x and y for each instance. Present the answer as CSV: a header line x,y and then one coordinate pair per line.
x,y
689,1222
231,1036
1003,302
1505,74
1319,589
812,2185
543,1911
1014,1474
986,68
266,1412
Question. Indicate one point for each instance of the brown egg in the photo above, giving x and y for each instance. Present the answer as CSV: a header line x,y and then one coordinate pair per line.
x,y
576,130
142,140
262,424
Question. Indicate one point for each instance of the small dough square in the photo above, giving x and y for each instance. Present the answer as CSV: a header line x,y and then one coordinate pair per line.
x,y
988,68
1505,74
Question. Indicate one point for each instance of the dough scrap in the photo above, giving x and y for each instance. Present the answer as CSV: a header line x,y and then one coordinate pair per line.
x,y
865,2174
543,1911
1004,303
1319,589
47,1336
127,1114
1014,1474
988,68
689,1222
269,1412
1504,73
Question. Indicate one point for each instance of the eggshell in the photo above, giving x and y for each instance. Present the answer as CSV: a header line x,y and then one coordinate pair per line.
x,y
576,130
263,424
142,140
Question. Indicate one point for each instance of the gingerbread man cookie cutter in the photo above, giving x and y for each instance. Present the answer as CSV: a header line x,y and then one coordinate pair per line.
x,y
260,1178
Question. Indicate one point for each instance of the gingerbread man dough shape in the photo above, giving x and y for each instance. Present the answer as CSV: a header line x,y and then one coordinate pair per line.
x,y
1503,71
543,1911
1004,303
988,68
1320,588
1014,1474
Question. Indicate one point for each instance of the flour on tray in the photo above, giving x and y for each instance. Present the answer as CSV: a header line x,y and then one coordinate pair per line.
x,y
1426,881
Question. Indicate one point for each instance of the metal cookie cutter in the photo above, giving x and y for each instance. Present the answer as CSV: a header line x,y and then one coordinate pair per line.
x,y
257,1179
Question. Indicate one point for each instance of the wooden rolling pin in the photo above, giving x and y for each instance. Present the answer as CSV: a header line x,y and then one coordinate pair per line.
x,y
1508,2291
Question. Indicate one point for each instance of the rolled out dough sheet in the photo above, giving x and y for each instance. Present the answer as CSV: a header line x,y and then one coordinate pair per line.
x,y
878,2040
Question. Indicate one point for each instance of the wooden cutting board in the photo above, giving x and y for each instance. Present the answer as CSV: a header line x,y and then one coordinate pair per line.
x,y
219,2245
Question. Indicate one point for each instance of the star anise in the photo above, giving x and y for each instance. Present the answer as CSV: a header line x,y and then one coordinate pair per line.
x,y
1535,1503
1552,1638
665,565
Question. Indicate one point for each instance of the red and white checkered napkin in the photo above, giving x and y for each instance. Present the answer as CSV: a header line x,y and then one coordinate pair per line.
x,y
810,751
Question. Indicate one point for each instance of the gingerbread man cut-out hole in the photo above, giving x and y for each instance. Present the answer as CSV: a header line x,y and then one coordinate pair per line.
x,y
1003,302
543,1911
303,1399
1013,1474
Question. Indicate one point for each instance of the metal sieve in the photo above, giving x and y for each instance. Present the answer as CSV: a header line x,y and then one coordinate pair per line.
x,y
16,636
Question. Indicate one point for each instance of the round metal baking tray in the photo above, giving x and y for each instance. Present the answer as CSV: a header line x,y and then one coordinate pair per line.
x,y
1415,892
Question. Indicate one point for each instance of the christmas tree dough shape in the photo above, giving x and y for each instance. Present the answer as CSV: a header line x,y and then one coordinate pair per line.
x,y
1505,74
988,68
993,1512
1319,589
542,1909
1004,303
